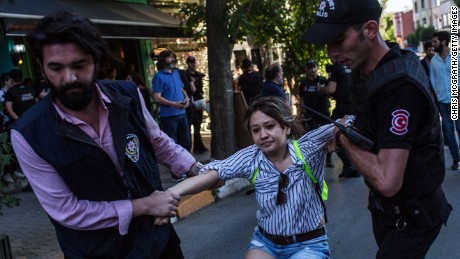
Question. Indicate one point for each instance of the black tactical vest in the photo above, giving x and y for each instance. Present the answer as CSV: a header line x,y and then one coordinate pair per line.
x,y
425,167
91,175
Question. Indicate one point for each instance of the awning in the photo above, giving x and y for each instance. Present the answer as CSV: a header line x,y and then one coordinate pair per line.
x,y
114,19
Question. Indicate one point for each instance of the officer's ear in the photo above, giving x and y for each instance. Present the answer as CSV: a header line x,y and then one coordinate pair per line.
x,y
370,29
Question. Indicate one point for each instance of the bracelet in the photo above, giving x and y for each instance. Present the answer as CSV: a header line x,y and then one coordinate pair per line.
x,y
337,138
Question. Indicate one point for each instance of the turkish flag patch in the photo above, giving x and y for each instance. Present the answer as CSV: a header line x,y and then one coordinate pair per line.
x,y
399,122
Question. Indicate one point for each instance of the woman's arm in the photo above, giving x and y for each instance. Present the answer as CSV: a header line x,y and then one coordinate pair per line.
x,y
199,183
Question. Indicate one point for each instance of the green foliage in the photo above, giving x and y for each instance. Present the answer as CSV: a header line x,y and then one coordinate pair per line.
x,y
6,156
8,201
193,20
267,23
420,34
387,27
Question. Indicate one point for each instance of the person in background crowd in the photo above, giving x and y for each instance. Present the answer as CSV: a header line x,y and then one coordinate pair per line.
x,y
7,83
405,169
440,78
311,97
338,87
196,78
273,85
429,54
168,91
189,88
250,82
236,73
276,165
28,82
90,150
42,88
145,91
20,97
131,68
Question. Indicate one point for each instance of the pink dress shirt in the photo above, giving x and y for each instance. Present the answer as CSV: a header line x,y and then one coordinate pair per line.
x,y
62,205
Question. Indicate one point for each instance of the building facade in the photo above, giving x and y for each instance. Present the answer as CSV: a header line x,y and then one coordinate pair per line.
x,y
432,12
403,26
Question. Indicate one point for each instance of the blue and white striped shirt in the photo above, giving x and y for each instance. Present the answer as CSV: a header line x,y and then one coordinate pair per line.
x,y
303,211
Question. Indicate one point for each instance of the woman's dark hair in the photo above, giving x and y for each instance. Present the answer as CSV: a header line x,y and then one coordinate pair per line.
x,y
137,78
63,27
278,109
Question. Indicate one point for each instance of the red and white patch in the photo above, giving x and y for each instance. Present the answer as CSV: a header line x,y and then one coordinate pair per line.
x,y
399,122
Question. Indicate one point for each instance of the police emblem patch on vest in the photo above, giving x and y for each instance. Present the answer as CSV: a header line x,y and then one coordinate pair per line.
x,y
132,147
399,122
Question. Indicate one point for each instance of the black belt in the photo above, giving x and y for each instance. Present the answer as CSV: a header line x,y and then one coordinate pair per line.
x,y
287,240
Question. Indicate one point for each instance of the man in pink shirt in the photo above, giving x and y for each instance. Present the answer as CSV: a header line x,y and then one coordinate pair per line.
x,y
90,151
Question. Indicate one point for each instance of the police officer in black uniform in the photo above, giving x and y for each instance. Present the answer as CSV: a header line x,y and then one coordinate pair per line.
x,y
406,168
311,97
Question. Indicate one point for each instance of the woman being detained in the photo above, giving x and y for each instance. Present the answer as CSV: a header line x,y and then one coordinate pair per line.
x,y
291,215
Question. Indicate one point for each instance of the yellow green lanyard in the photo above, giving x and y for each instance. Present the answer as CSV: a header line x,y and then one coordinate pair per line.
x,y
307,169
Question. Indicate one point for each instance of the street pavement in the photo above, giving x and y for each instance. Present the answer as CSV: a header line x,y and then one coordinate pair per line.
x,y
223,229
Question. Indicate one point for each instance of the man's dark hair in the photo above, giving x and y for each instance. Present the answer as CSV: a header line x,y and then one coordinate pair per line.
x,y
161,59
246,64
16,75
427,44
61,27
272,70
442,35
4,77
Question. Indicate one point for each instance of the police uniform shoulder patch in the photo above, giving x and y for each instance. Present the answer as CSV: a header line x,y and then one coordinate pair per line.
x,y
399,122
132,147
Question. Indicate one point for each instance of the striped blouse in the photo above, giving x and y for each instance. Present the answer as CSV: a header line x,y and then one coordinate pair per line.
x,y
303,211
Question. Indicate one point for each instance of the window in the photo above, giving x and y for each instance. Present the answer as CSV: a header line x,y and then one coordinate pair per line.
x,y
423,4
415,7
424,21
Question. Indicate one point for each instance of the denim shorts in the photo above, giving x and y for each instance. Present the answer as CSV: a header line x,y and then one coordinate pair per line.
x,y
317,248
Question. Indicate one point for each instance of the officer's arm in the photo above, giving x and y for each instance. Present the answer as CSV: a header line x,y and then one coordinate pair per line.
x,y
9,110
329,88
384,170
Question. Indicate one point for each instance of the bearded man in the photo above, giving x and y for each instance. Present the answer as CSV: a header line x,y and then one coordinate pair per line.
x,y
90,151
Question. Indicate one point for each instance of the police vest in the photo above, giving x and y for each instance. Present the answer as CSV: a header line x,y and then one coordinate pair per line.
x,y
425,168
91,175
313,99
